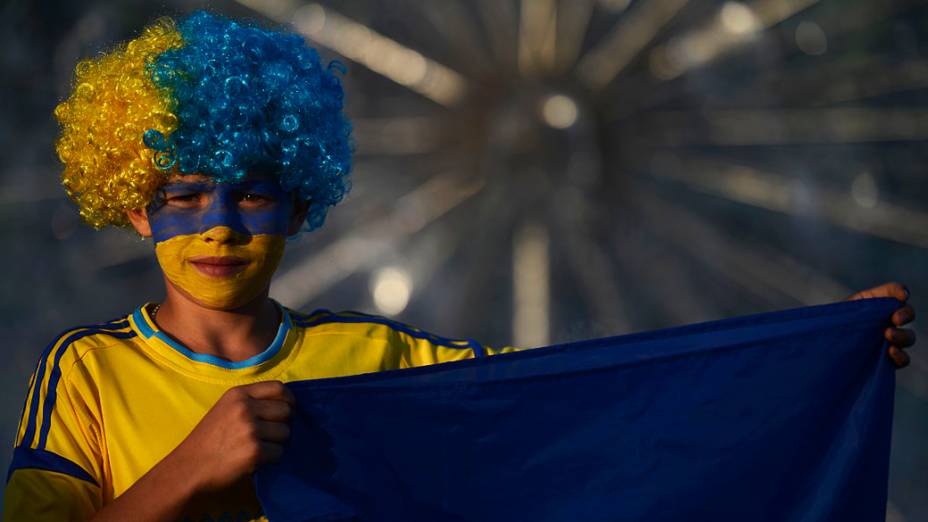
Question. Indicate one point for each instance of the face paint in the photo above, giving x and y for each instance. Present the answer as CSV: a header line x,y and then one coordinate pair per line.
x,y
251,207
191,264
220,243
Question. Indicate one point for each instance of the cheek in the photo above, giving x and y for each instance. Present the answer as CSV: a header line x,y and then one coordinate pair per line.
x,y
168,223
268,249
260,222
172,252
274,220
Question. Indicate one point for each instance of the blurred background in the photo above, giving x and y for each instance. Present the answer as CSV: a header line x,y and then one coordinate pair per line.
x,y
535,171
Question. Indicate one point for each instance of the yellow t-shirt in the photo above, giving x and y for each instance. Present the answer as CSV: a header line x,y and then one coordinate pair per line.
x,y
107,402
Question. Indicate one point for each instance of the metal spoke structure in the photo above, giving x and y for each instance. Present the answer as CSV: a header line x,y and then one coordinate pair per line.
x,y
541,135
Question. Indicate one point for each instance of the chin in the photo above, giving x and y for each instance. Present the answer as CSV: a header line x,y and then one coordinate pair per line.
x,y
220,298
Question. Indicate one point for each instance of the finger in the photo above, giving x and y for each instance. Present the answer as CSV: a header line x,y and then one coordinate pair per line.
x,y
269,390
904,315
272,431
270,452
899,357
900,337
271,410
895,290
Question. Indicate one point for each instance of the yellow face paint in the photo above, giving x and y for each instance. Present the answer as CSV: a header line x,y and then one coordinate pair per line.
x,y
221,268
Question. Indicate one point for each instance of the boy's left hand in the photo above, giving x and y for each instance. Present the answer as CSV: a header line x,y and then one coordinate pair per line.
x,y
899,338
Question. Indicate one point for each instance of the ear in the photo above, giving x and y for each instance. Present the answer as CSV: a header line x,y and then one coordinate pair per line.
x,y
297,216
139,220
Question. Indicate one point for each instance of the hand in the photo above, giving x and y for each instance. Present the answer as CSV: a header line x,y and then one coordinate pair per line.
x,y
244,429
899,338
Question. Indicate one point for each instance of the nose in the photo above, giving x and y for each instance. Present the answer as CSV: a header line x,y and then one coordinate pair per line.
x,y
222,212
224,235
219,235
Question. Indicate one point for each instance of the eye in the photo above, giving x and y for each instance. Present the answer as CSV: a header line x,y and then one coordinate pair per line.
x,y
183,200
253,199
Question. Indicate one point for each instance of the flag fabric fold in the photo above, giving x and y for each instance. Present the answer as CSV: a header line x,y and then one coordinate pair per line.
x,y
782,416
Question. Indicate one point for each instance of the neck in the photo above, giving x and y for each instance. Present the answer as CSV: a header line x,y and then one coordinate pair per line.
x,y
235,335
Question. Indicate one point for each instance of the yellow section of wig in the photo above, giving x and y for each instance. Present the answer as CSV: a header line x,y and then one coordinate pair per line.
x,y
107,167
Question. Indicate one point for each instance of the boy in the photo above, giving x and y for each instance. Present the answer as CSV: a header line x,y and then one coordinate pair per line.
x,y
218,141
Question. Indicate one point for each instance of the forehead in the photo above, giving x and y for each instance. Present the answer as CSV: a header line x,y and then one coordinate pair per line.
x,y
189,178
202,180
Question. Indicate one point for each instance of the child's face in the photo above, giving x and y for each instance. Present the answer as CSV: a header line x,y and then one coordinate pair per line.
x,y
220,243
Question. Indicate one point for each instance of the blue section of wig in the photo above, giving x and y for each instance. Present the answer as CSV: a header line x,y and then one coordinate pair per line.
x,y
249,99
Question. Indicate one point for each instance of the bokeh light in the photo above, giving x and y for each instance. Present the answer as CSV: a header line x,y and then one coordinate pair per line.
x,y
559,111
391,288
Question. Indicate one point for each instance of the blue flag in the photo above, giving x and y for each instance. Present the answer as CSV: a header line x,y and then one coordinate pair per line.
x,y
775,417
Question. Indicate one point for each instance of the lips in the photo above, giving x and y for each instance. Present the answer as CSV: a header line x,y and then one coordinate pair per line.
x,y
224,266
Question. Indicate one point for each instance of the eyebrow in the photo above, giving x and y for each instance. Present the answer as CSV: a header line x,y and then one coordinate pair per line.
x,y
193,186
264,185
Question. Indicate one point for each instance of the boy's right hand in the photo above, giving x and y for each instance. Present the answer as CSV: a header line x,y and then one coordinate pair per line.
x,y
245,428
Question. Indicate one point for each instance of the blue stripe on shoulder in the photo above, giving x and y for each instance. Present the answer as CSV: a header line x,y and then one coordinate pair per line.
x,y
81,331
300,317
358,317
53,378
28,458
22,414
40,371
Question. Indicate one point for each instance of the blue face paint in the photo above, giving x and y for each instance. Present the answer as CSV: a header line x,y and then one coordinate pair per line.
x,y
192,207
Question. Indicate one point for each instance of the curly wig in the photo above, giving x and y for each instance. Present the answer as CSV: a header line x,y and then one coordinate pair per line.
x,y
205,96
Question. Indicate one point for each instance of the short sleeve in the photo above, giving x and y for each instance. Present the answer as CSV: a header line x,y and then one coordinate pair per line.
x,y
38,495
421,348
56,467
